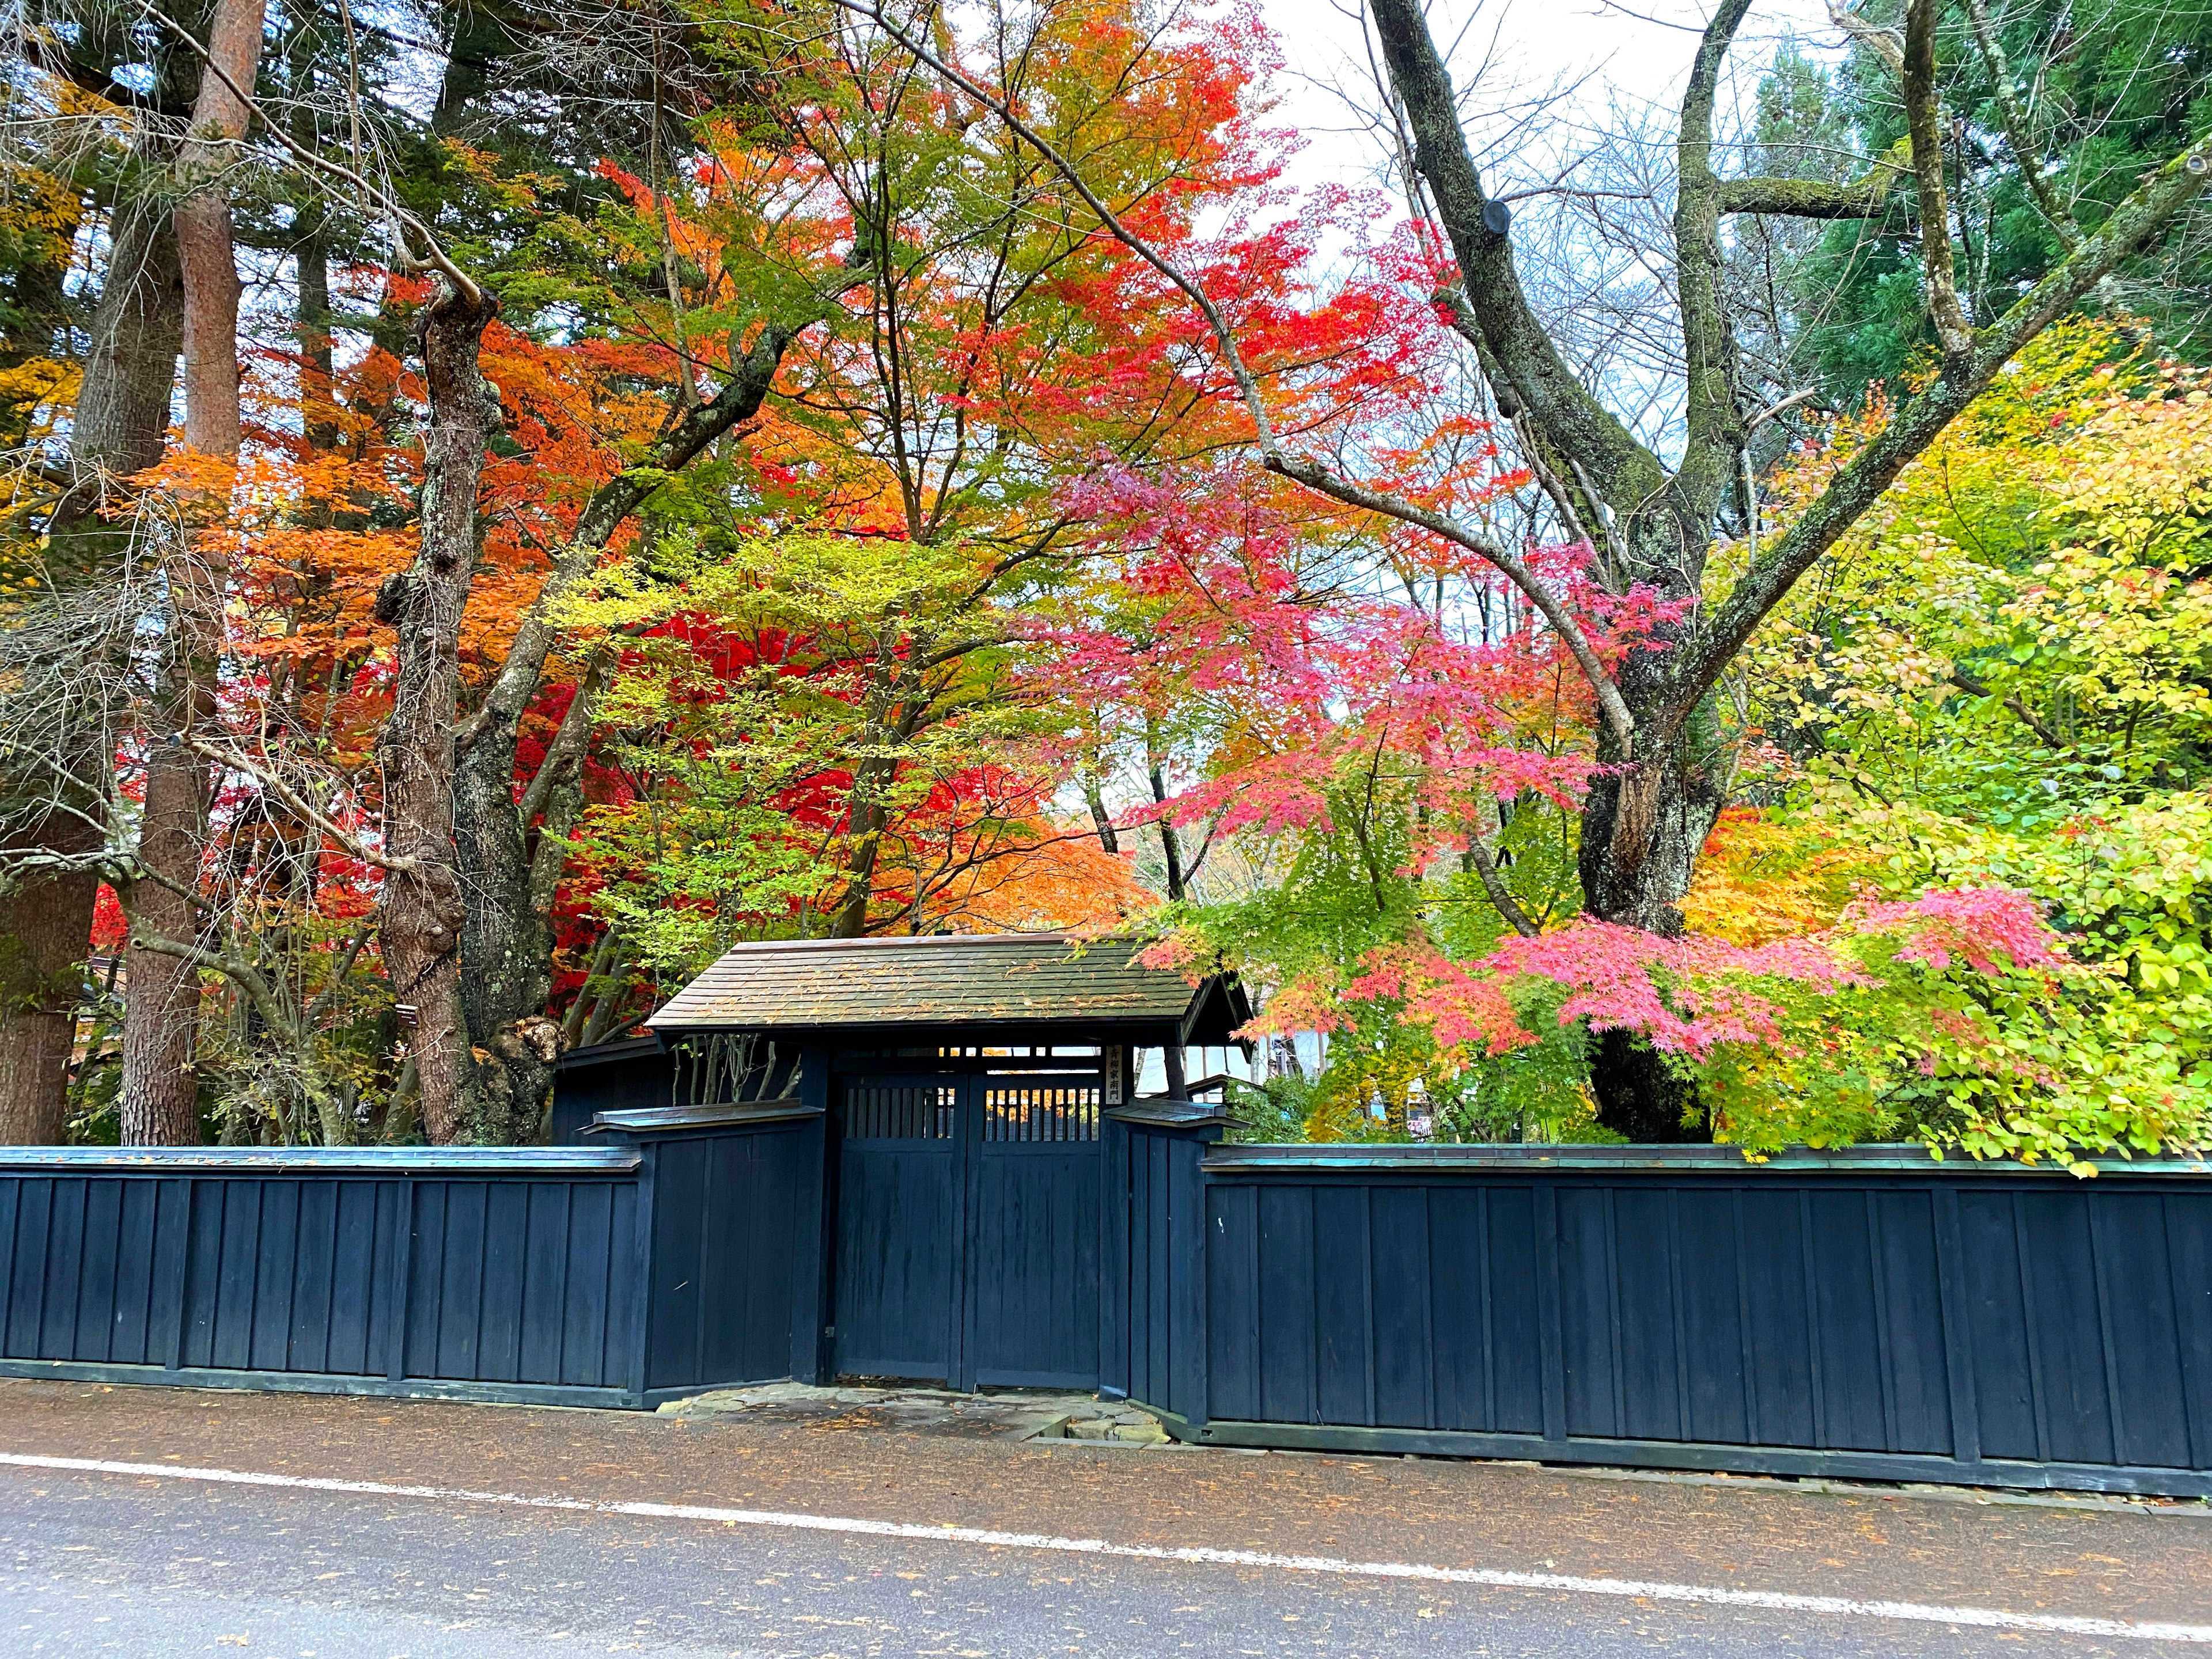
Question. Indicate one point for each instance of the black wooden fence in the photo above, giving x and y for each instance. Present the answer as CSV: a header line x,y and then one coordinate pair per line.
x,y
657,1264
1864,1313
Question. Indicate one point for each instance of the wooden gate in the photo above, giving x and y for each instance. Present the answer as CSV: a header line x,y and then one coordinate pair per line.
x,y
969,1207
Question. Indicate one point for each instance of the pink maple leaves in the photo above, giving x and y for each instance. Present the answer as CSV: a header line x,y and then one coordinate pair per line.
x,y
1688,996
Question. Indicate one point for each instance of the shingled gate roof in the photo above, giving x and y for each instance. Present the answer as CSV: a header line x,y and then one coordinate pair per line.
x,y
968,980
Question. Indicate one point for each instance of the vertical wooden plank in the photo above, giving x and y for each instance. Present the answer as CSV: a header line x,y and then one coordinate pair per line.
x,y
181,1209
1551,1309
1853,1389
1957,1328
399,1321
782,1168
1458,1312
276,1269
589,1211
439,1248
2187,1219
1342,1271
1401,1356
724,1315
1644,1326
1708,1287
638,1300
457,1335
170,1258
814,1215
1114,1198
499,1323
1232,1266
1909,1271
545,1292
26,1299
95,1301
314,1251
1749,1358
136,1254
352,1271
679,1201
239,1243
967,1243
1808,1265
1487,1306
1589,1327
2064,1328
1290,1342
1160,1269
1886,1357
11,1192
1781,1321
624,1294
2141,1354
2145,1366
65,1269
1187,1213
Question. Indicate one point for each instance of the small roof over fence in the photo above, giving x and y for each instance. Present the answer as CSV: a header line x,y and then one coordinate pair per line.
x,y
972,979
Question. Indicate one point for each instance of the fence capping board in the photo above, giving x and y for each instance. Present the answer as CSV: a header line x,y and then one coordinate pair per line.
x,y
1356,1157
389,1162
650,1119
1162,1114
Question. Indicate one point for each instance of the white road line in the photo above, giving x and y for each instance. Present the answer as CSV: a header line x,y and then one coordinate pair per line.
x,y
1703,1595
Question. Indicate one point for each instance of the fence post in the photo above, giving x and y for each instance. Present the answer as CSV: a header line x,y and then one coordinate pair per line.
x,y
175,1358
1550,1314
1115,1263
402,1284
812,1292
1188,1341
641,1356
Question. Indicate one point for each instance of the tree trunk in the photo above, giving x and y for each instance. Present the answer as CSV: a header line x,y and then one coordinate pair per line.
x,y
505,936
46,923
159,1105
508,947
423,909
1642,830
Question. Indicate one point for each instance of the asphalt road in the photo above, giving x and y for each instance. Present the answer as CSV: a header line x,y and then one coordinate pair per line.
x,y
163,1564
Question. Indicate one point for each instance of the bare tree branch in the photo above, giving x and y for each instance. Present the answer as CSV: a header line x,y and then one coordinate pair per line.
x,y
2018,133
1923,120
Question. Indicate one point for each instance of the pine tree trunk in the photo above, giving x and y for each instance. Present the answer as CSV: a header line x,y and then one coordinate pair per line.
x,y
424,914
46,922
159,1105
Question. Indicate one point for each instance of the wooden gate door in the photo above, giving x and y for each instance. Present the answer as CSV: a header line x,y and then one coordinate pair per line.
x,y
1037,1177
900,1224
969,1211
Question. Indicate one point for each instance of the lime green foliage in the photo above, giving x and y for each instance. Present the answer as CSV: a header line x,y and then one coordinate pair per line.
x,y
2005,680
772,682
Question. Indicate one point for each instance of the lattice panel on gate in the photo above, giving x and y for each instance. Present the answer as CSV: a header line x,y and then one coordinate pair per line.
x,y
1055,1110
904,1110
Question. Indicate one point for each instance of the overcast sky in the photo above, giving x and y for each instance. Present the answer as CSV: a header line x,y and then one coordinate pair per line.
x,y
1638,52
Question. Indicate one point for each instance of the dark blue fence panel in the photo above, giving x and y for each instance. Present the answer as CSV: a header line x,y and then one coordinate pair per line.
x,y
1868,1313
513,1274
736,1218
676,1254
1154,1329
